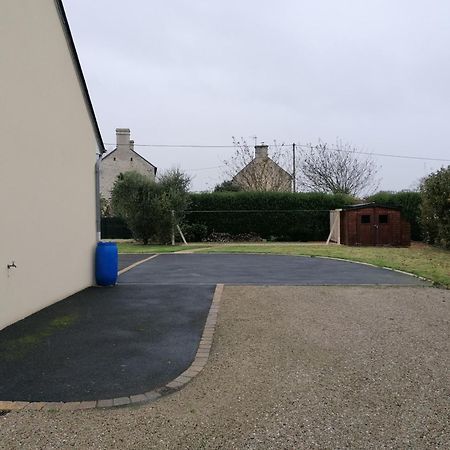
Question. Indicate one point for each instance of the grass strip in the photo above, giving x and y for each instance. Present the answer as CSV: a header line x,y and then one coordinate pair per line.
x,y
421,260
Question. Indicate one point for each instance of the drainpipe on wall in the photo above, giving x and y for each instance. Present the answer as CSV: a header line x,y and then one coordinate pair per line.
x,y
97,196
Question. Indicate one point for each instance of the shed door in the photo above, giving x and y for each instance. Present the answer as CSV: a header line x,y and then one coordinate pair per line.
x,y
365,228
383,229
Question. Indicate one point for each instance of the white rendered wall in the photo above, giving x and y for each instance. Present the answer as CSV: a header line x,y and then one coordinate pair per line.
x,y
47,164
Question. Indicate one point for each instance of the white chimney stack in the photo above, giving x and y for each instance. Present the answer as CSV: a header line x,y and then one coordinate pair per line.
x,y
123,138
261,151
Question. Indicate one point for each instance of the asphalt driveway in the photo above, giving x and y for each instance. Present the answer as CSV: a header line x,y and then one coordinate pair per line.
x,y
298,367
249,269
103,343
137,336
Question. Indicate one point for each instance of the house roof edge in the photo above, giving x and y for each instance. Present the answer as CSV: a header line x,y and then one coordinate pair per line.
x,y
76,62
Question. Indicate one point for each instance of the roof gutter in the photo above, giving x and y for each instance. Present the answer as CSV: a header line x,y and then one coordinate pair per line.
x,y
79,71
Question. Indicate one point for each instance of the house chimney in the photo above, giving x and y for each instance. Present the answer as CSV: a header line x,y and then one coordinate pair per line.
x,y
123,138
261,151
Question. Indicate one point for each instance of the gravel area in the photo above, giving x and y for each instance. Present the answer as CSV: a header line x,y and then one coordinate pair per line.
x,y
290,368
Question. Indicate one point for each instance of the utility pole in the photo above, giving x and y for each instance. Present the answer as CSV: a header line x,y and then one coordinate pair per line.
x,y
293,168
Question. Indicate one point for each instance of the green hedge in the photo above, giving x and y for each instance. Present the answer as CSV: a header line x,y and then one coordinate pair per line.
x,y
114,228
271,215
409,202
435,219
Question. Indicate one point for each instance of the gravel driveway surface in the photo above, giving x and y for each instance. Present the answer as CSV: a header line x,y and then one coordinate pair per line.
x,y
291,367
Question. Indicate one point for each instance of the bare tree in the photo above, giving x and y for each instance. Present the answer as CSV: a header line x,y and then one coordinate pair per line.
x,y
340,169
254,170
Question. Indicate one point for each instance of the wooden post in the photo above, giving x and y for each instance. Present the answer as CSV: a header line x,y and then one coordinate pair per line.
x,y
173,227
181,234
336,225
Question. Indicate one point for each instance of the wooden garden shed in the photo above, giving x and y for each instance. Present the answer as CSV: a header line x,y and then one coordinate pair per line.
x,y
369,224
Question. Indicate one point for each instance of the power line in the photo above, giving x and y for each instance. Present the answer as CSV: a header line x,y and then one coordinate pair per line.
x,y
277,146
255,211
183,145
387,155
206,168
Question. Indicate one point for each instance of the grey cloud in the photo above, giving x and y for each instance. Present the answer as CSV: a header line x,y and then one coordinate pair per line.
x,y
374,73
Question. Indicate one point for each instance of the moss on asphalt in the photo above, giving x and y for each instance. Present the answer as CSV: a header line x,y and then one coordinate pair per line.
x,y
16,348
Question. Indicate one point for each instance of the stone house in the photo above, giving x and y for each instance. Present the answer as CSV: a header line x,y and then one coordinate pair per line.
x,y
263,174
50,144
122,159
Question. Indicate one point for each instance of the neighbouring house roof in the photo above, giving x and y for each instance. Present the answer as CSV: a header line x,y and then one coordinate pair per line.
x,y
135,153
79,72
254,161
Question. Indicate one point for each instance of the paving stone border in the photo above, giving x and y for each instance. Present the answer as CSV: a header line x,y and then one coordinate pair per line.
x,y
192,371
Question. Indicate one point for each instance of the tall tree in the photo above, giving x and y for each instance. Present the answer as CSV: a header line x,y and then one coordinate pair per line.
x,y
340,169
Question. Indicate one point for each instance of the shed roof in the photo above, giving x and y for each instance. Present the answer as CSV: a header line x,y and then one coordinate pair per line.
x,y
370,205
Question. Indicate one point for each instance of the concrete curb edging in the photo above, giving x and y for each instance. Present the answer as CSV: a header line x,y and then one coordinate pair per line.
x,y
192,371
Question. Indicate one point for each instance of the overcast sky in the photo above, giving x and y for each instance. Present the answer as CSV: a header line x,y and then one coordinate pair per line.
x,y
375,73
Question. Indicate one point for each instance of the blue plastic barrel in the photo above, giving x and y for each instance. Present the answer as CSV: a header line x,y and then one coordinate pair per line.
x,y
106,263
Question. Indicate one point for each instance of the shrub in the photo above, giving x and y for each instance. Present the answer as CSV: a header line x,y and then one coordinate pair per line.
x,y
435,218
195,232
146,206
114,228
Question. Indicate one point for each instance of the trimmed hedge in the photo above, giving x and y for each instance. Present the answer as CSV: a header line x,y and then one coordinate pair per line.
x,y
279,219
271,215
114,228
410,204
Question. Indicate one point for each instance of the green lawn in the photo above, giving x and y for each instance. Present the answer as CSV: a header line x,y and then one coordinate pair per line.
x,y
419,259
422,260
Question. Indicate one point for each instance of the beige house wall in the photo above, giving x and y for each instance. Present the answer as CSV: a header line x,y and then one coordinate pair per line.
x,y
47,167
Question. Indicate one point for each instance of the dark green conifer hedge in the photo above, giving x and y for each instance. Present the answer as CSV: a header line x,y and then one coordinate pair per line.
x,y
271,215
409,202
